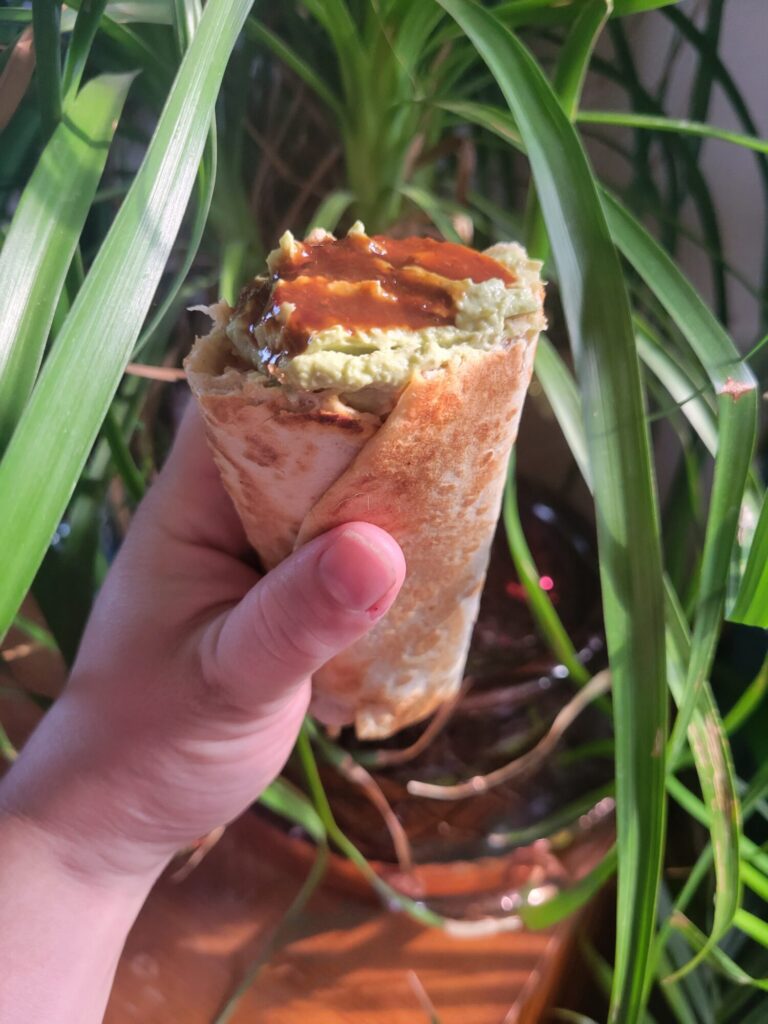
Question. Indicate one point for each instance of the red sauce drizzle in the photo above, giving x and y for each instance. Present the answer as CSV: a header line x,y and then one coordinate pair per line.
x,y
390,285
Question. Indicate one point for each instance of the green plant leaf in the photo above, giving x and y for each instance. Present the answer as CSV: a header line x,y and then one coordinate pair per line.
x,y
37,633
622,8
737,396
415,25
433,208
186,18
44,233
573,60
157,12
571,899
678,126
287,800
690,999
391,896
722,963
15,15
331,210
568,80
76,386
336,18
706,732
753,926
504,839
714,767
628,535
751,605
755,880
255,30
749,701
692,805
135,50
45,21
8,752
562,394
83,34
710,748
682,383
203,192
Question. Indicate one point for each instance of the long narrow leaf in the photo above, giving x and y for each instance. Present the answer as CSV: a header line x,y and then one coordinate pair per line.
x,y
560,388
85,366
751,606
203,195
433,208
736,391
44,233
722,963
574,57
628,535
86,26
679,126
46,17
568,81
714,766
570,899
680,384
331,210
296,63
706,732
707,736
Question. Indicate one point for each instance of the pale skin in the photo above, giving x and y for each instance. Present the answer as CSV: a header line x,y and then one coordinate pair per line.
x,y
184,703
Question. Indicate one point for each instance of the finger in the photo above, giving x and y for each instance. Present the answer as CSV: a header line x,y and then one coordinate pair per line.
x,y
312,606
190,492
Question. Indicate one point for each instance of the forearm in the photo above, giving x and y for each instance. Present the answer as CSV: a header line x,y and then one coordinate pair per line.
x,y
62,931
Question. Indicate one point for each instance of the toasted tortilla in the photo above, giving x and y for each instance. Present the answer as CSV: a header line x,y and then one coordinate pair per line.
x,y
431,472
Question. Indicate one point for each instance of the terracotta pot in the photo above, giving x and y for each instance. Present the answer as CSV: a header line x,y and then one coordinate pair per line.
x,y
487,887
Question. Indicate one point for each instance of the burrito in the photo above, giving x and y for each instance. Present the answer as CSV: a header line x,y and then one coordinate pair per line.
x,y
377,379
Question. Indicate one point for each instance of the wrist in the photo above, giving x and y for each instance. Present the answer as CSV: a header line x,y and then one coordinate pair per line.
x,y
76,861
65,926
59,796
36,855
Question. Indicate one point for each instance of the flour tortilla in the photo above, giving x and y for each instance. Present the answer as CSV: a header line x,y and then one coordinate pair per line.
x,y
431,472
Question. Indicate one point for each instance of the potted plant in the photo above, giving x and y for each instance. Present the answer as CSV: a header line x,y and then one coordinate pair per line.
x,y
427,117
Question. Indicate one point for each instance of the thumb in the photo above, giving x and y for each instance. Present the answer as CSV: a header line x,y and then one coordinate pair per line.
x,y
313,605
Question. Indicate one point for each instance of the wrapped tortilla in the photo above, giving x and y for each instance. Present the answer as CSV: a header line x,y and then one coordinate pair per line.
x,y
375,379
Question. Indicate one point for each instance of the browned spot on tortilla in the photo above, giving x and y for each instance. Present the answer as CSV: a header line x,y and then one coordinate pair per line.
x,y
325,417
262,454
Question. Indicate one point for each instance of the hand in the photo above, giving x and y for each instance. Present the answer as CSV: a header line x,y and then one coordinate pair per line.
x,y
193,676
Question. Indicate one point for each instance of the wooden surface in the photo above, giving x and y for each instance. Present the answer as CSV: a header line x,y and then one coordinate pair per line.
x,y
348,962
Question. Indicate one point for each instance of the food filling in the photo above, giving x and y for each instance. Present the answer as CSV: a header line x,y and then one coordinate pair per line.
x,y
365,312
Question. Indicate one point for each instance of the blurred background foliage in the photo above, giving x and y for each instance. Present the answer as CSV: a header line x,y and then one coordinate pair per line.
x,y
152,152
